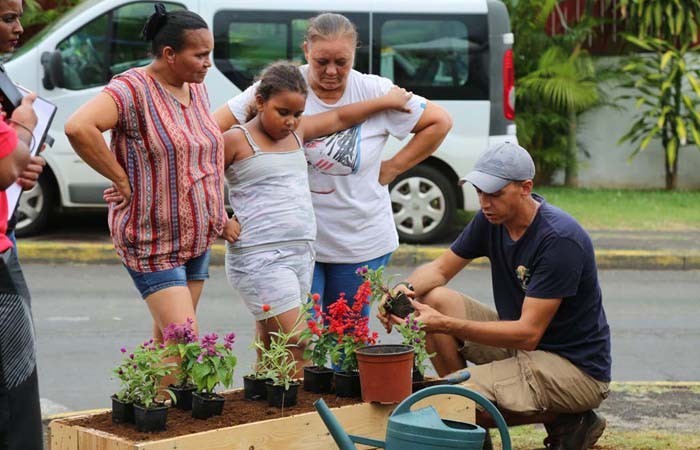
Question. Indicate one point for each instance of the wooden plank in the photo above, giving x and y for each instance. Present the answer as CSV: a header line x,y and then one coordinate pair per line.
x,y
307,431
300,432
62,436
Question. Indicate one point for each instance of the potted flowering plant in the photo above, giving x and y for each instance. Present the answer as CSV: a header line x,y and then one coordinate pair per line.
x,y
123,400
352,331
182,345
280,364
214,366
149,369
396,303
413,334
319,343
254,384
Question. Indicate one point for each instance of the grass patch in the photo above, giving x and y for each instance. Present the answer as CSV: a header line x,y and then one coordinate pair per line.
x,y
618,209
531,437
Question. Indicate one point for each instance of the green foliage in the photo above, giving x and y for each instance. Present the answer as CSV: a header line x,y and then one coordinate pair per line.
x,y
666,82
555,81
278,362
215,363
319,340
140,374
412,332
35,14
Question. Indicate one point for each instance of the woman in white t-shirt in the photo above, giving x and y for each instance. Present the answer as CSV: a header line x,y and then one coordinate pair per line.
x,y
347,175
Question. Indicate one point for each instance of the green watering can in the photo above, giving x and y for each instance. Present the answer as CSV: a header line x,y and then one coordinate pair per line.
x,y
422,429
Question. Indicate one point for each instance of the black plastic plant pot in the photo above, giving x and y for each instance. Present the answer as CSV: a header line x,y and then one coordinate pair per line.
x,y
206,405
122,412
183,396
279,397
417,376
318,380
399,305
347,384
149,420
254,388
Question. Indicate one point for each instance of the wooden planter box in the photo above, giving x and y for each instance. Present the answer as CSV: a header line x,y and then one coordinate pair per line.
x,y
303,431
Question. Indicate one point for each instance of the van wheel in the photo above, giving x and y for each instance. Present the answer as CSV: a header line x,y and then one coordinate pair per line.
x,y
35,206
423,202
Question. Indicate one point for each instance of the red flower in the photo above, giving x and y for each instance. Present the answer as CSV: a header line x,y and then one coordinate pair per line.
x,y
266,307
315,297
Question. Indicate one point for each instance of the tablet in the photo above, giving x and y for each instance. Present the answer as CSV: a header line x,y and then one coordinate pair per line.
x,y
45,112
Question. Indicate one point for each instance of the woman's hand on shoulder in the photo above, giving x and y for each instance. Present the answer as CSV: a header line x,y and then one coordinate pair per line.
x,y
397,98
232,230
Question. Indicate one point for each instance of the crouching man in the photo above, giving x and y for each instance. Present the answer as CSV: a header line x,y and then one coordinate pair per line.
x,y
544,355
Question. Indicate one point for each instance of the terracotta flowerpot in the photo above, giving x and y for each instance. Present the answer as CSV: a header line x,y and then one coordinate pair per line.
x,y
347,384
280,397
206,405
318,380
254,388
386,372
183,396
122,412
150,419
399,305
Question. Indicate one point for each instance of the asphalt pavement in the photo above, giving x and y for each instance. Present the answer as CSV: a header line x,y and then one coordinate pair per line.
x,y
84,239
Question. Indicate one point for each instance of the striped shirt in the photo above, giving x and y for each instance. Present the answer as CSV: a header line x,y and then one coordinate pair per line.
x,y
173,156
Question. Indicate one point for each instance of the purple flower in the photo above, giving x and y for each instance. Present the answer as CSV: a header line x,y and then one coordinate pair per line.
x,y
121,372
200,358
123,349
134,366
416,340
131,356
230,338
361,270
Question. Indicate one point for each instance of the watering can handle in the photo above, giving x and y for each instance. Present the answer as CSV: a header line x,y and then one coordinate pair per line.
x,y
405,406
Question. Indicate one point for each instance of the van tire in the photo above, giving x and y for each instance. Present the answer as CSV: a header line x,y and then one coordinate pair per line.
x,y
36,205
425,197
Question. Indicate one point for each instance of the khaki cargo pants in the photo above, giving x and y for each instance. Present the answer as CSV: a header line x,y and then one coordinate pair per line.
x,y
527,382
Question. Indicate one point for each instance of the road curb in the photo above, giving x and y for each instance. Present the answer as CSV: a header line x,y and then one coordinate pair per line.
x,y
63,252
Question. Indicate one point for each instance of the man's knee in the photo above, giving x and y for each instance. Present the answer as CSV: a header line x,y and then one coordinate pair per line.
x,y
445,301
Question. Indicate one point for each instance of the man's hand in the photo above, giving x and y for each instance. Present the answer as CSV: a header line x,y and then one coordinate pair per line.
x,y
232,230
29,177
430,318
386,319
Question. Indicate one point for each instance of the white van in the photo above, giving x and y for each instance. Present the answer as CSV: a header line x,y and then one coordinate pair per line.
x,y
456,53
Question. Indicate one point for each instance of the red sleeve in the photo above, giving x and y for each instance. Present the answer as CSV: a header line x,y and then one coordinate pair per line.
x,y
8,139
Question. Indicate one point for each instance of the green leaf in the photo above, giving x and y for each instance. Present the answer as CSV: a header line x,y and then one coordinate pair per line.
x,y
682,132
694,83
665,59
671,152
696,134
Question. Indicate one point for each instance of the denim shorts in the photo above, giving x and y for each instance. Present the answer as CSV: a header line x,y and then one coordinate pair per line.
x,y
150,282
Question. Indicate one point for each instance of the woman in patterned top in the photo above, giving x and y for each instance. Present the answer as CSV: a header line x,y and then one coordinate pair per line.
x,y
166,206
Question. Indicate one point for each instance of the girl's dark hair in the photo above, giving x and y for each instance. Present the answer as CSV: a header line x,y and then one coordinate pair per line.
x,y
167,28
280,76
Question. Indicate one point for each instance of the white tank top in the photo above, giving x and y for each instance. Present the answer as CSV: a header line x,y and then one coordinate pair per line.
x,y
269,193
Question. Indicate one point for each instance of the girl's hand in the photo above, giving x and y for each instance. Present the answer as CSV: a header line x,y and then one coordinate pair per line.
x,y
397,98
232,230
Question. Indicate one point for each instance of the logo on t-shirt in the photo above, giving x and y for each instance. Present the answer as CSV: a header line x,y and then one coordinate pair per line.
x,y
522,273
336,155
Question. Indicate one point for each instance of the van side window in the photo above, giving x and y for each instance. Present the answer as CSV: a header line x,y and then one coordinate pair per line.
x,y
88,59
247,41
442,57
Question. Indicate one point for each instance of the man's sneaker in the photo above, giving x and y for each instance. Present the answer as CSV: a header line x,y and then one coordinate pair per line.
x,y
574,431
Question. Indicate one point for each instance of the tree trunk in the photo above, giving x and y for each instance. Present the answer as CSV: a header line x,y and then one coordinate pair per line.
x,y
571,171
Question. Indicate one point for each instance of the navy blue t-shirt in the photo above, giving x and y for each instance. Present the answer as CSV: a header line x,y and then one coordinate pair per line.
x,y
553,259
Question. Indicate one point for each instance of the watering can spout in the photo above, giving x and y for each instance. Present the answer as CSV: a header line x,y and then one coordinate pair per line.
x,y
339,435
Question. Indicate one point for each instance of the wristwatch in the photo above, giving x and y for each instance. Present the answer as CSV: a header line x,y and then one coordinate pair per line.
x,y
405,283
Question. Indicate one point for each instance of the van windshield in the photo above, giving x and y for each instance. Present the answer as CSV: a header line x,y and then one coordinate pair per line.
x,y
31,43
